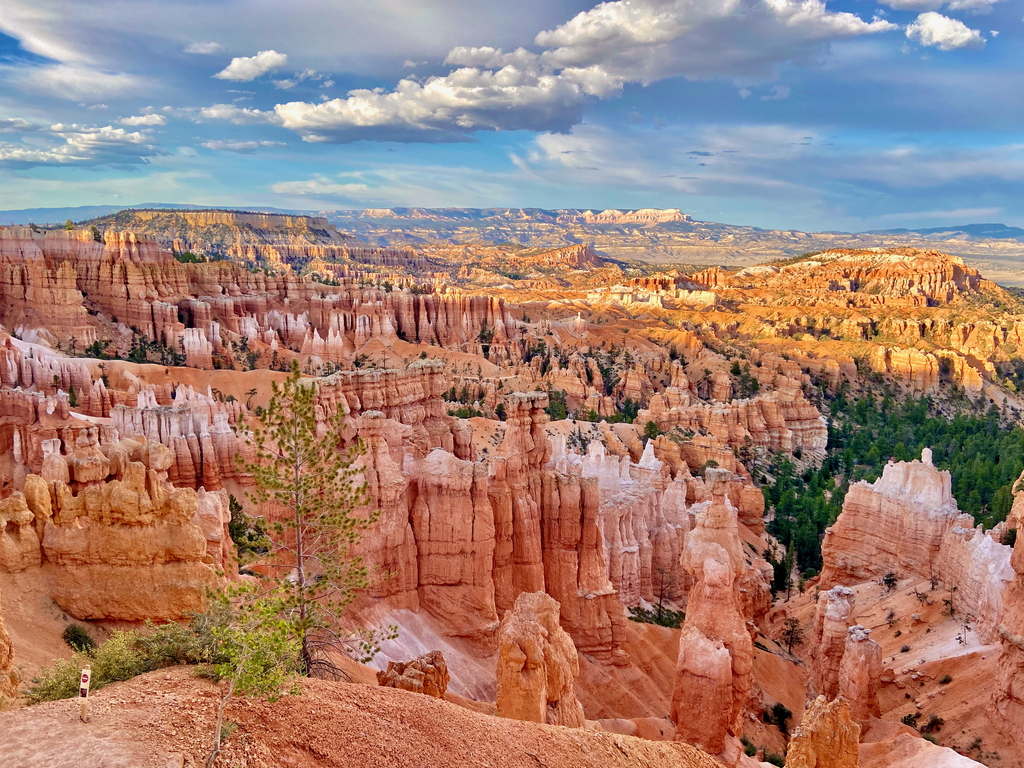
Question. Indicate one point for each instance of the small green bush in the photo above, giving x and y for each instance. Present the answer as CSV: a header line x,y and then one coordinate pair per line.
x,y
667,618
946,680
748,747
775,759
780,716
911,719
78,639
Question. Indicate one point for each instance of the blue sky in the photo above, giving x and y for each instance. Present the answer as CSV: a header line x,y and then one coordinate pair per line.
x,y
778,113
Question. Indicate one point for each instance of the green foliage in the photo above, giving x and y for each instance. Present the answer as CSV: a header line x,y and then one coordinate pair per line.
x,y
792,633
96,234
249,534
946,680
262,649
775,759
780,715
72,397
651,430
313,479
500,412
748,747
190,258
69,225
1010,537
78,639
556,409
933,724
983,458
465,412
668,618
117,659
911,719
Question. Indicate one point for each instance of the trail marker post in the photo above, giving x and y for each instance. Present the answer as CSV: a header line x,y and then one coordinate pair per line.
x,y
83,692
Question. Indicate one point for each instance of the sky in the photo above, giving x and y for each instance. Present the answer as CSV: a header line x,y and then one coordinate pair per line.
x,y
788,114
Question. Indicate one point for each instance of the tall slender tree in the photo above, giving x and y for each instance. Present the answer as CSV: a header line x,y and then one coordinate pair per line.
x,y
311,479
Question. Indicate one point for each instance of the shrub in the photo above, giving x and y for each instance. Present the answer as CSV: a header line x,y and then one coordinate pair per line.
x,y
76,636
946,680
748,747
667,618
933,725
905,649
781,715
1010,537
775,759
911,719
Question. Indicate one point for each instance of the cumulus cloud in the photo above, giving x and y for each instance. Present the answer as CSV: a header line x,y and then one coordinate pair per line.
x,y
204,48
16,125
593,55
244,68
237,115
139,120
244,147
84,145
970,6
934,29
306,74
319,187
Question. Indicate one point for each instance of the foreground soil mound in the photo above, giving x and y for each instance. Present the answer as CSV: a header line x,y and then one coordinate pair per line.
x,y
165,719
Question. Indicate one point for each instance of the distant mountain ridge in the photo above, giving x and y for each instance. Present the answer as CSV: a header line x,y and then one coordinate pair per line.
x,y
993,231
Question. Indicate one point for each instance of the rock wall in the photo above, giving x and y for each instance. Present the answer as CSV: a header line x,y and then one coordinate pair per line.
x,y
537,665
860,674
834,615
8,677
1008,697
714,668
907,522
827,737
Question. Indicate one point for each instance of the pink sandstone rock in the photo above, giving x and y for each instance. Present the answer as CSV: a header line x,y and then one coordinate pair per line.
x,y
833,616
537,664
426,674
860,673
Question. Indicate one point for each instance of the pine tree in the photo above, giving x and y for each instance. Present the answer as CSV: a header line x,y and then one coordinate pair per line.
x,y
313,480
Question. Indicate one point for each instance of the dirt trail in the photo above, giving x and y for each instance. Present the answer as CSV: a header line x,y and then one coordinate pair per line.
x,y
165,719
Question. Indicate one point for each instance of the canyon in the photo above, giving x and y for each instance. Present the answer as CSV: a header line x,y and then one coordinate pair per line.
x,y
558,447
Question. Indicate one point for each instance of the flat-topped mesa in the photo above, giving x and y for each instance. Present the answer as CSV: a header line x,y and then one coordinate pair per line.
x,y
907,522
833,617
898,277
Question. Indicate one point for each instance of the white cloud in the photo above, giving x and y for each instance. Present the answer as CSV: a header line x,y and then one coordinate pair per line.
x,y
204,48
244,147
319,187
306,74
244,68
237,115
74,83
778,93
84,145
934,29
591,56
16,125
139,120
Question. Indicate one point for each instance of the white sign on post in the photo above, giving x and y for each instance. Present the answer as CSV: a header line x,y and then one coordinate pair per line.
x,y
83,692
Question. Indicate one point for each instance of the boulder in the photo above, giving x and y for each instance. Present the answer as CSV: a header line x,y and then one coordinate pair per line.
x,y
427,674
827,737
